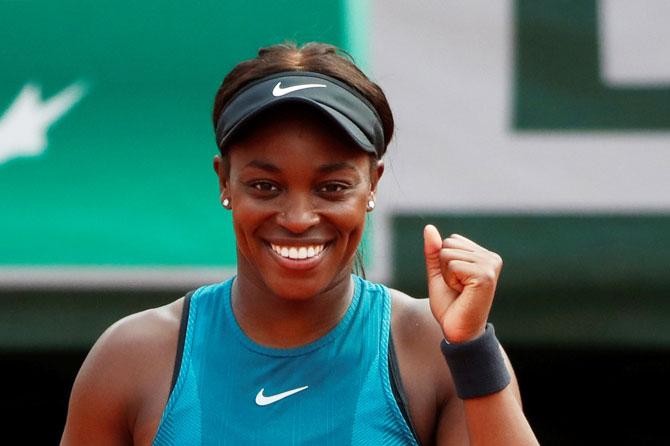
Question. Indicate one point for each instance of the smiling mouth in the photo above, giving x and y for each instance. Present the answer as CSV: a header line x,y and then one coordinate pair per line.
x,y
298,252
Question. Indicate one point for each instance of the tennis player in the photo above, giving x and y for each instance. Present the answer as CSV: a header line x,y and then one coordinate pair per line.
x,y
296,348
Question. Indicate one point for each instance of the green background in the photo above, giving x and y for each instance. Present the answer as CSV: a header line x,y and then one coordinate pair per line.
x,y
569,279
126,179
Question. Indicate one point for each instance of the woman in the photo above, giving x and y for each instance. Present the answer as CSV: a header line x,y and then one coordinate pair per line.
x,y
295,349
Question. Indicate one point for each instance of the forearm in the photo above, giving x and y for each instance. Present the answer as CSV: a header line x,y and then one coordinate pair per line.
x,y
498,419
488,396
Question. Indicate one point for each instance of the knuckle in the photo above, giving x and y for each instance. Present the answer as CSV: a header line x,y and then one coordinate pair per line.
x,y
490,275
495,258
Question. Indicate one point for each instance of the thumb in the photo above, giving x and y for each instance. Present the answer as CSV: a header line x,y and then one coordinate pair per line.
x,y
441,296
432,243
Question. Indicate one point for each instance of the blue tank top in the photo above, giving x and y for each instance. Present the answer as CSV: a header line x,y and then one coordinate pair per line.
x,y
333,391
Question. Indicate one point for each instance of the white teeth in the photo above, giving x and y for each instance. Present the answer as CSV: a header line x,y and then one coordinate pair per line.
x,y
292,253
297,253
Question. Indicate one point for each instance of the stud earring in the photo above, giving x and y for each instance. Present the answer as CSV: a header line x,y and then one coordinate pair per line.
x,y
226,203
371,202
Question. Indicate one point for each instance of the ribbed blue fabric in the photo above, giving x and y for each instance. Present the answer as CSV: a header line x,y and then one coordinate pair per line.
x,y
348,399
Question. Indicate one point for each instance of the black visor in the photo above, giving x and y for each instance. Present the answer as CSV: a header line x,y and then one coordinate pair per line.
x,y
346,107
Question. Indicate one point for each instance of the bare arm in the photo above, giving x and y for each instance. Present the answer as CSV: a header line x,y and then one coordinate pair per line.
x,y
98,411
122,387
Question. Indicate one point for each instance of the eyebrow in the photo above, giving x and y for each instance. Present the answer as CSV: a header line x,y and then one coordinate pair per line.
x,y
263,166
327,168
324,168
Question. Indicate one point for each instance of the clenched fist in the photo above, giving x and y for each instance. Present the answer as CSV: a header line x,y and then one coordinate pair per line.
x,y
462,278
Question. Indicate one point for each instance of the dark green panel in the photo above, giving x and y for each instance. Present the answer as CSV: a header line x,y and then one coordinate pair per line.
x,y
602,279
557,75
67,319
127,178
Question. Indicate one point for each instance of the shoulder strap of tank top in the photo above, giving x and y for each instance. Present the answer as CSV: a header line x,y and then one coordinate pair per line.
x,y
397,388
183,325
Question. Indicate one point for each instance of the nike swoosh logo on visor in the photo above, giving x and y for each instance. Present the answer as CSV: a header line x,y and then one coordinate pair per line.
x,y
263,400
279,91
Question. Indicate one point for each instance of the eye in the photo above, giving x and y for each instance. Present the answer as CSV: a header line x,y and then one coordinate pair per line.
x,y
333,188
264,186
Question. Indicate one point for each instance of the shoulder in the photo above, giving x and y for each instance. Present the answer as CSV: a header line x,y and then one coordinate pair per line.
x,y
138,341
416,338
131,363
424,373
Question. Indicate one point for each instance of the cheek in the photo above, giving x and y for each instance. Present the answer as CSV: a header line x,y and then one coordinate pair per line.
x,y
246,220
349,217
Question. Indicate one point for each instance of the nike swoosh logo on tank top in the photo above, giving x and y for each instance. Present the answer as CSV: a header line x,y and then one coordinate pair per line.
x,y
263,400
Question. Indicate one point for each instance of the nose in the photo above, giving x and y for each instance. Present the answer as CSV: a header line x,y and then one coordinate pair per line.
x,y
299,214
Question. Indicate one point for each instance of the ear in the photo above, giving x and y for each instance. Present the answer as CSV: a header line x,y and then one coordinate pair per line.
x,y
222,170
376,172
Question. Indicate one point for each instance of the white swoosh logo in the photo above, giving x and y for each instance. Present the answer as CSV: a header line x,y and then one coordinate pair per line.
x,y
279,91
263,400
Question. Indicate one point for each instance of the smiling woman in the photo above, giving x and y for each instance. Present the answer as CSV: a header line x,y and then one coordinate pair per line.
x,y
295,349
296,183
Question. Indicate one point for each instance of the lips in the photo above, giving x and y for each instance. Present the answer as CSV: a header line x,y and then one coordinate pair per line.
x,y
298,252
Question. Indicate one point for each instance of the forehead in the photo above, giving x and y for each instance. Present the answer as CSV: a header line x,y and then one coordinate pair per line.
x,y
290,135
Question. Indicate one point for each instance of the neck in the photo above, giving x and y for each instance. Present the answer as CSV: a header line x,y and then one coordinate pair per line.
x,y
275,321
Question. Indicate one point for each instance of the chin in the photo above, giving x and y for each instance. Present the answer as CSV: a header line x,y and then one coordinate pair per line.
x,y
298,287
303,286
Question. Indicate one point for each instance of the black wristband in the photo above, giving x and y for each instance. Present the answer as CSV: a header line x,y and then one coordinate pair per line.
x,y
477,366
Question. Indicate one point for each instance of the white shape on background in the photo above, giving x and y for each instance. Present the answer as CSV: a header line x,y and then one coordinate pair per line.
x,y
24,126
634,42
